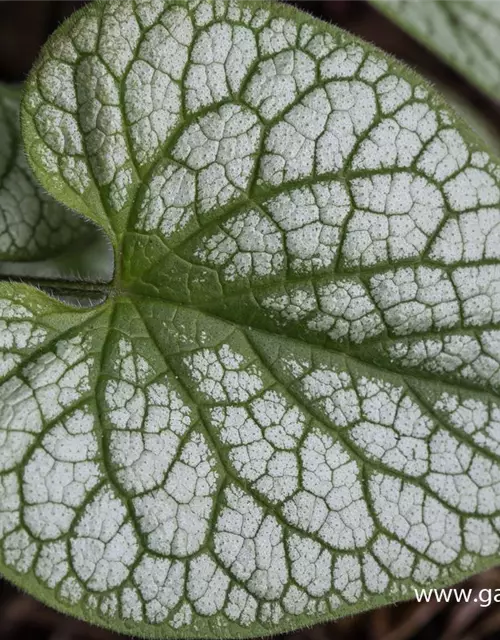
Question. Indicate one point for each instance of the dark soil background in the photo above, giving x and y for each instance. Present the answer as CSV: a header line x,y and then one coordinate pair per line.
x,y
24,27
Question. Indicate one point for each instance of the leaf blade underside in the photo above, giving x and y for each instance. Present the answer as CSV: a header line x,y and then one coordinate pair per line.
x,y
286,411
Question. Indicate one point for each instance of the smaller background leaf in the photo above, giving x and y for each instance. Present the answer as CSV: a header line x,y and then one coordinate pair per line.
x,y
463,33
32,225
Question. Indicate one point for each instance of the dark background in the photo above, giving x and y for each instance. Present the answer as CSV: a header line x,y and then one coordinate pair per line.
x,y
24,27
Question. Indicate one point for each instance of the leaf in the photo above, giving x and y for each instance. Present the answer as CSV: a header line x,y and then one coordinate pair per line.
x,y
32,225
287,409
464,33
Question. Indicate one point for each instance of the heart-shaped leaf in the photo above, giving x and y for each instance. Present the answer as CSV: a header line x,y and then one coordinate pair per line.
x,y
287,409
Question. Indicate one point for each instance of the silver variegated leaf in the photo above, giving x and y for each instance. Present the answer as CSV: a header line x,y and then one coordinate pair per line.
x,y
287,409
